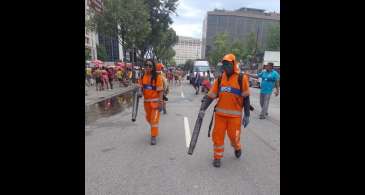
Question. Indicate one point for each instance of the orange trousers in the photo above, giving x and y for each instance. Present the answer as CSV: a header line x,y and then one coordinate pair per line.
x,y
233,127
152,116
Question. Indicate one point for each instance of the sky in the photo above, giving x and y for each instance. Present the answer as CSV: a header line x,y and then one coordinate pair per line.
x,y
191,13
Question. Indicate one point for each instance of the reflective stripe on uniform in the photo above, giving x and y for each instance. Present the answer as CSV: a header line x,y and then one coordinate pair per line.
x,y
159,88
152,100
230,90
155,125
225,111
218,153
150,87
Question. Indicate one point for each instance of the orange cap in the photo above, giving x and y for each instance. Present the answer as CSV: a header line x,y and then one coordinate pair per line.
x,y
159,67
232,58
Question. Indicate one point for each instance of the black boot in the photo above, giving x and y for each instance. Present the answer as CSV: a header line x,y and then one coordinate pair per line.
x,y
237,153
217,163
153,140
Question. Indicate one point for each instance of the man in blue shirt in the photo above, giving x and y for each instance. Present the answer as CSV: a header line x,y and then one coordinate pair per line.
x,y
270,79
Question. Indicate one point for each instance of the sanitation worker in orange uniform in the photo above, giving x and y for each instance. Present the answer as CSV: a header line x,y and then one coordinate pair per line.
x,y
152,87
228,110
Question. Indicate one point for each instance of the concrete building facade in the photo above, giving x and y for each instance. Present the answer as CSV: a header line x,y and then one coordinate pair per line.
x,y
238,25
187,48
91,37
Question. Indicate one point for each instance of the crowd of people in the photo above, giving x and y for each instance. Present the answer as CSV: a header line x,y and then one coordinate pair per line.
x,y
105,77
175,76
201,81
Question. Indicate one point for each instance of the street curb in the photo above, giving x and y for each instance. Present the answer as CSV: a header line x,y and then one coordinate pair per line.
x,y
119,92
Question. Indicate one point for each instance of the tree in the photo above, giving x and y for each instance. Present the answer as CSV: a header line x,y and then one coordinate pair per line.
x,y
159,19
273,40
125,19
238,49
163,50
188,65
102,55
141,24
221,47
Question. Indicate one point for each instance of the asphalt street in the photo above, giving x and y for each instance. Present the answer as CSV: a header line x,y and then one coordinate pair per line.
x,y
120,160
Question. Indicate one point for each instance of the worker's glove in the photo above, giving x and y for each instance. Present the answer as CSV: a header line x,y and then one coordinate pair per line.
x,y
245,121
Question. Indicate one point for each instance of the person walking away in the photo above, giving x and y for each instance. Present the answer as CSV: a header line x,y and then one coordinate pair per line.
x,y
160,69
270,79
176,77
170,77
88,77
120,77
228,110
111,76
197,83
180,76
98,80
152,86
105,79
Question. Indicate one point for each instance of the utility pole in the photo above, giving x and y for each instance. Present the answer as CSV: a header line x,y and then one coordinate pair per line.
x,y
255,51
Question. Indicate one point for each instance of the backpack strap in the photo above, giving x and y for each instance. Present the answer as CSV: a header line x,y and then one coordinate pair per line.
x,y
240,78
219,84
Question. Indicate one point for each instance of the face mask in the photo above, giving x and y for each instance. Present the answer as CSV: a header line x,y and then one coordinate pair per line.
x,y
228,68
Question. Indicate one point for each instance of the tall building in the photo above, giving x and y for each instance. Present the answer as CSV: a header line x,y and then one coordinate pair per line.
x,y
187,48
111,45
91,37
113,48
237,24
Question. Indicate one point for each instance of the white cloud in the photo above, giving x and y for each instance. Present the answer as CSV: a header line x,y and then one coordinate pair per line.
x,y
188,30
191,13
187,11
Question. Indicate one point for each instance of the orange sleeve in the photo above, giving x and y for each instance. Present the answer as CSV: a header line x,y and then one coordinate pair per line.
x,y
245,85
159,83
214,90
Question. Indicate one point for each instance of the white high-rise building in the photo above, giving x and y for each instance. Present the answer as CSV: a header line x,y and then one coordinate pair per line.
x,y
91,38
187,48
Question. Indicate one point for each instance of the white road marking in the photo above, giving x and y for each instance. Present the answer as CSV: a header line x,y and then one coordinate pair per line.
x,y
187,131
182,93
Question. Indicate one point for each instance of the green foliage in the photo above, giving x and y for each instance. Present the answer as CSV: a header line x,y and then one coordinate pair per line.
x,y
141,24
127,19
164,50
242,49
188,65
221,47
159,12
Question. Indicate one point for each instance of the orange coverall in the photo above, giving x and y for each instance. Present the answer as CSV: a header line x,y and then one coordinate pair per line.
x,y
228,112
152,95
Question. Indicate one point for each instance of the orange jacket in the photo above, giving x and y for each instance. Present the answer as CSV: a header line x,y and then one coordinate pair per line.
x,y
151,90
230,101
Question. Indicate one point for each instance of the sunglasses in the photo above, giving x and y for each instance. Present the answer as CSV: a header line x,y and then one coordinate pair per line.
x,y
148,65
227,63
